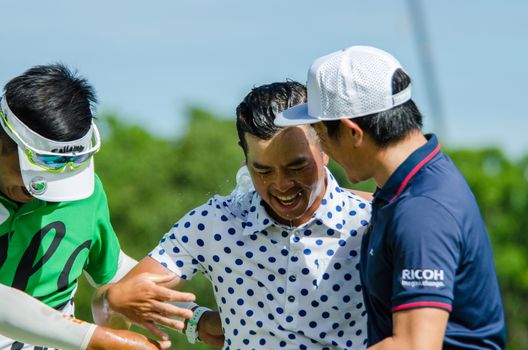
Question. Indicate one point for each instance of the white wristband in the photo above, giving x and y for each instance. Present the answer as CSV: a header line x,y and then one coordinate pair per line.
x,y
191,331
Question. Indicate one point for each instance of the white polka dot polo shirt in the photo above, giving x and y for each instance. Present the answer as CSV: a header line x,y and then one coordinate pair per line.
x,y
277,287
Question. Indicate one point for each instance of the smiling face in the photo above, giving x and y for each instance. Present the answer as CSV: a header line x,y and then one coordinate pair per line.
x,y
288,173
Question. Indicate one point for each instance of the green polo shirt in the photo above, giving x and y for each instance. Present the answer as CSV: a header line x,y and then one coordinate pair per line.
x,y
45,246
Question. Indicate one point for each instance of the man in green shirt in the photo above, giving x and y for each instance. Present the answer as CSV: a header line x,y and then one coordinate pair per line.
x,y
54,217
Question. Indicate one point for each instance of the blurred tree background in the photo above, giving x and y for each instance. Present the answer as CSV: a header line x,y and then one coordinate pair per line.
x,y
152,182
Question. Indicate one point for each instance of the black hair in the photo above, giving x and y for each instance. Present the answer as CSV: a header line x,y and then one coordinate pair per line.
x,y
389,126
52,101
257,112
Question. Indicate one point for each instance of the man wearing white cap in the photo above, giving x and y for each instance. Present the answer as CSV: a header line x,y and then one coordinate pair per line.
x,y
427,267
54,218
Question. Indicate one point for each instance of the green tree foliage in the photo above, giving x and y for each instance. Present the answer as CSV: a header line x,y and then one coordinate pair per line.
x,y
501,189
151,183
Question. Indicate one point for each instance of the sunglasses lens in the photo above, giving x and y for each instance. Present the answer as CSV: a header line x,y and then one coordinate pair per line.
x,y
57,162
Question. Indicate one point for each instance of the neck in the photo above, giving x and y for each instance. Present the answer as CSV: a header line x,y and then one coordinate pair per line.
x,y
391,157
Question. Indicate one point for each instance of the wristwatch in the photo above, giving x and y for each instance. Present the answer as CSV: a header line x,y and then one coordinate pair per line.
x,y
191,329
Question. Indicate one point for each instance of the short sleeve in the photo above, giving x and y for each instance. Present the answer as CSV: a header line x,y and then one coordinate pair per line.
x,y
104,251
179,249
425,244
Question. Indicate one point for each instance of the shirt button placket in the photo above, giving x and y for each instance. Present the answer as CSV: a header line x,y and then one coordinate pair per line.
x,y
292,302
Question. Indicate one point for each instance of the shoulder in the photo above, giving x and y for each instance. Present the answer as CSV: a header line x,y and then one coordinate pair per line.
x,y
343,197
216,210
423,217
441,181
98,187
439,192
351,200
421,207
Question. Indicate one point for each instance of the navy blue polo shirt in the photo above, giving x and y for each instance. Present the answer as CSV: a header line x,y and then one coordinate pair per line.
x,y
427,246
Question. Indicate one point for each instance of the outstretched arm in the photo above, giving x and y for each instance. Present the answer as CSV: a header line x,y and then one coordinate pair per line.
x,y
142,297
209,326
31,321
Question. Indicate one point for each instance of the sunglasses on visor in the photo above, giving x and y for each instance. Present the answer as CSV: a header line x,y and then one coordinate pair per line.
x,y
54,161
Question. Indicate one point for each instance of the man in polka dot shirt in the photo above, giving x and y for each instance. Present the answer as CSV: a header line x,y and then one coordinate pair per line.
x,y
282,259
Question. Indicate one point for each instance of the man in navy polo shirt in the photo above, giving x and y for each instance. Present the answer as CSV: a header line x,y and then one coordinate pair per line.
x,y
426,262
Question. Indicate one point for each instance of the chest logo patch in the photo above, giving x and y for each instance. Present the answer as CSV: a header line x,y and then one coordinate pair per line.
x,y
423,278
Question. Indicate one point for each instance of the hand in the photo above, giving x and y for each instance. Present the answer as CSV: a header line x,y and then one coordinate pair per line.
x,y
113,339
210,329
141,299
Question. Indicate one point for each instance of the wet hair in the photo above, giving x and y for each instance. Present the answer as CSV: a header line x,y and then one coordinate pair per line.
x,y
389,126
257,112
52,101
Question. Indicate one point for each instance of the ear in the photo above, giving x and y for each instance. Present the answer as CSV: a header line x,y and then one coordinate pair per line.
x,y
326,159
354,131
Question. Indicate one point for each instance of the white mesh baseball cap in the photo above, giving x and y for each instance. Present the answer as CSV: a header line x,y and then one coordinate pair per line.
x,y
349,83
51,170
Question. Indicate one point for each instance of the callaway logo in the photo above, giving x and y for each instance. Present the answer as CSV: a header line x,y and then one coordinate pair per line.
x,y
68,149
423,278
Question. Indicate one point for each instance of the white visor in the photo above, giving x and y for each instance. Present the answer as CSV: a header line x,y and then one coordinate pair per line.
x,y
65,185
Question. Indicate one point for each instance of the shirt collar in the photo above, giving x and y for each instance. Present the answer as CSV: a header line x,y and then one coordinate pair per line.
x,y
256,219
399,180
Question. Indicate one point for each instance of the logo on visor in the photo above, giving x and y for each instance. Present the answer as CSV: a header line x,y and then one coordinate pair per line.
x,y
68,149
38,185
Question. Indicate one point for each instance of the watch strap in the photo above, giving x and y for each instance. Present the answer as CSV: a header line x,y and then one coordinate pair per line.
x,y
191,331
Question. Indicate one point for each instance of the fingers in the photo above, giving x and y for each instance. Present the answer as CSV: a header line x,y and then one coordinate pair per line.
x,y
152,328
161,344
157,278
171,310
181,296
167,321
142,292
166,294
142,299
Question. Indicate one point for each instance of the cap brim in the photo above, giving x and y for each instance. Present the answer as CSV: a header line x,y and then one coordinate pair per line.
x,y
65,186
296,115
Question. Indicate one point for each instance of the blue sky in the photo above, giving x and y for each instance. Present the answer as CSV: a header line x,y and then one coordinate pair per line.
x,y
149,61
